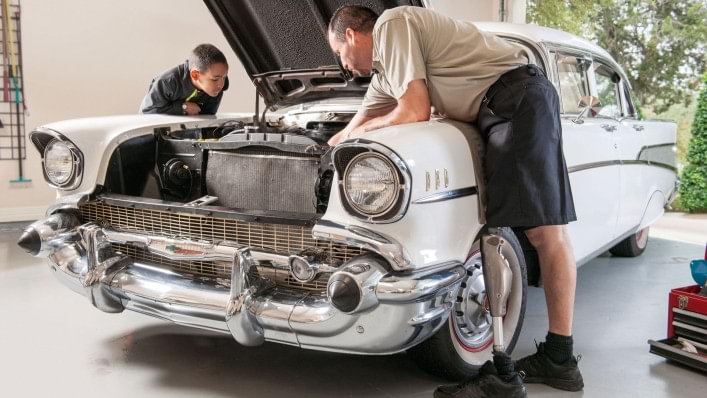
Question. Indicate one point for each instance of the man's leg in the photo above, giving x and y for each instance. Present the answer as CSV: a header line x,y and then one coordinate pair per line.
x,y
554,363
559,274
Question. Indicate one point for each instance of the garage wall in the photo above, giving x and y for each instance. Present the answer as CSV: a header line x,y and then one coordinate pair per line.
x,y
96,57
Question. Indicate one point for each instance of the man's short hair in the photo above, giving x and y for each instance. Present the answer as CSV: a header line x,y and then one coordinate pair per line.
x,y
205,55
358,18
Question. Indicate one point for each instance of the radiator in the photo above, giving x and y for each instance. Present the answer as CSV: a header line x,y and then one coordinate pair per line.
x,y
263,180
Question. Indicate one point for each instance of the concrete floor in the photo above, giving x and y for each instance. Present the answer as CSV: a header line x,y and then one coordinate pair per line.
x,y
53,343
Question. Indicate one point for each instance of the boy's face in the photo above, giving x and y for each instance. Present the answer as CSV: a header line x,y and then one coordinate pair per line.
x,y
211,82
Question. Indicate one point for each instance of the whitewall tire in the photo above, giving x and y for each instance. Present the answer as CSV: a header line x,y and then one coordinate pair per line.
x,y
465,342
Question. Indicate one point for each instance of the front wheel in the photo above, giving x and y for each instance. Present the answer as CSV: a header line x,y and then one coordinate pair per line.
x,y
460,347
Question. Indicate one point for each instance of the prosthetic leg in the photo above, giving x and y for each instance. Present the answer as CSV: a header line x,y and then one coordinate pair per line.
x,y
498,278
497,379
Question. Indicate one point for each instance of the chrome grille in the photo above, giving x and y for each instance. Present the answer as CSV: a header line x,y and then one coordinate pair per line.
x,y
221,269
279,238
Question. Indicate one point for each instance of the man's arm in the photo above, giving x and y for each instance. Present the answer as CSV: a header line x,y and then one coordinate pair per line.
x,y
413,106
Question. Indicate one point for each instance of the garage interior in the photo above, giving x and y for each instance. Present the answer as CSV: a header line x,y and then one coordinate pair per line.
x,y
54,343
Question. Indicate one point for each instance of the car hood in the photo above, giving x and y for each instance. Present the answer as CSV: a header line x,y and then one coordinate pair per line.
x,y
284,49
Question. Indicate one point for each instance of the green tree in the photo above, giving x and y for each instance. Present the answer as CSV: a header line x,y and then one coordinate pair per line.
x,y
660,43
693,183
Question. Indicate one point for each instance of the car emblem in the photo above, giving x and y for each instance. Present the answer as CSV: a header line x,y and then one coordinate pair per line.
x,y
180,250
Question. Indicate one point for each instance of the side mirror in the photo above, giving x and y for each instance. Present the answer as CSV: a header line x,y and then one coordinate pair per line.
x,y
586,103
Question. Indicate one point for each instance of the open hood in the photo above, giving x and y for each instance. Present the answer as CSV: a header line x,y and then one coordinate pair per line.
x,y
277,38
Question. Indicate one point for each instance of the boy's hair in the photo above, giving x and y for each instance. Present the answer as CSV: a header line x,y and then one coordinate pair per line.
x,y
358,18
205,55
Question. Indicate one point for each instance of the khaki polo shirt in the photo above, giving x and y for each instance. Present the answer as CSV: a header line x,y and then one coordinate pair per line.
x,y
458,62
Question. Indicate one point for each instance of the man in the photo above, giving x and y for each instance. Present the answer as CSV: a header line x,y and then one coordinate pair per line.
x,y
421,59
192,88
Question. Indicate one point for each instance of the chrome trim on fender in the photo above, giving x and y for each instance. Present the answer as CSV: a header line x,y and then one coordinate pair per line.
x,y
650,163
447,195
415,286
594,165
361,237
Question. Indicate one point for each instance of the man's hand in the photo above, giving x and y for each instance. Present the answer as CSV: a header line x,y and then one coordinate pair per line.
x,y
344,135
338,138
350,128
192,109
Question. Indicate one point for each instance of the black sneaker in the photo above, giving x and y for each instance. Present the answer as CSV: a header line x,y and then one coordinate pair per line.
x,y
486,384
539,368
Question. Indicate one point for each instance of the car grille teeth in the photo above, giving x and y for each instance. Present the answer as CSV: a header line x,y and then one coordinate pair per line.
x,y
279,238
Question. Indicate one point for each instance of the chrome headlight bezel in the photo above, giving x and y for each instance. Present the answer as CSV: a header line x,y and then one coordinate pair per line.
x,y
76,174
348,154
395,191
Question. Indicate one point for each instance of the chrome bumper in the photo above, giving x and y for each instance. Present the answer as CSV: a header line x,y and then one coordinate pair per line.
x,y
407,308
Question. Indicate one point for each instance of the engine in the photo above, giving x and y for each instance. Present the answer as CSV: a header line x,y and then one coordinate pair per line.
x,y
281,167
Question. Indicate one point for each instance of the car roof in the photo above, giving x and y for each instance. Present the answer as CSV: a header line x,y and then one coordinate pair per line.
x,y
540,34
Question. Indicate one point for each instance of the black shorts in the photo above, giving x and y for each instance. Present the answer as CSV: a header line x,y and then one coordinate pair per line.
x,y
527,184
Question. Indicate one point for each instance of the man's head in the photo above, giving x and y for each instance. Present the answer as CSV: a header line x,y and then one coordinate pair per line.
x,y
351,39
208,69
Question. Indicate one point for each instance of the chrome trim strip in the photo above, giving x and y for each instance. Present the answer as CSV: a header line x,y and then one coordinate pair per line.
x,y
361,237
447,195
650,163
671,145
594,165
407,288
436,313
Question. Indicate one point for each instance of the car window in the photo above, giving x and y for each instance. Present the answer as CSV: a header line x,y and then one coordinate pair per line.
x,y
572,81
607,91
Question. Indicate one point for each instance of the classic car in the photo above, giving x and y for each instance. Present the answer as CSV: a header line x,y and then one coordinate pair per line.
x,y
249,224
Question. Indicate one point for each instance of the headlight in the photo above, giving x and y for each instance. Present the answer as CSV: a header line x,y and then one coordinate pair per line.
x,y
371,184
60,163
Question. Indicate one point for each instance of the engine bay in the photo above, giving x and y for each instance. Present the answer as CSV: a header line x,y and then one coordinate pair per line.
x,y
279,165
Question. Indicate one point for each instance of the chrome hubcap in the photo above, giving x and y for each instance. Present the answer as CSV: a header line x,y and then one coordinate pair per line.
x,y
471,318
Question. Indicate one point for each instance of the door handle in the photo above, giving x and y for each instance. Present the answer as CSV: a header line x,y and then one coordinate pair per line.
x,y
638,127
608,127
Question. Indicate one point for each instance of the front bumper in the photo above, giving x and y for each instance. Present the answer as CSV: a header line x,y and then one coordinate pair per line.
x,y
405,309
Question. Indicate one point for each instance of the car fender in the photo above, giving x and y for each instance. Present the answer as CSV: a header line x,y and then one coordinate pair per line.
x,y
435,228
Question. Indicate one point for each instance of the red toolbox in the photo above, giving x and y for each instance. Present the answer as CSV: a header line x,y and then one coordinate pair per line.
x,y
687,321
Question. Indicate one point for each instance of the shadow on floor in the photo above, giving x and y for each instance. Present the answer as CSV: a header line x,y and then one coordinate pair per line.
x,y
217,365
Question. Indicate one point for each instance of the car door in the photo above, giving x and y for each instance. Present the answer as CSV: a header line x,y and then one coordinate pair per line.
x,y
647,154
590,153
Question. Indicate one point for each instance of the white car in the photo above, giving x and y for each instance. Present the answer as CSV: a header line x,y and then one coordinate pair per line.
x,y
251,225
